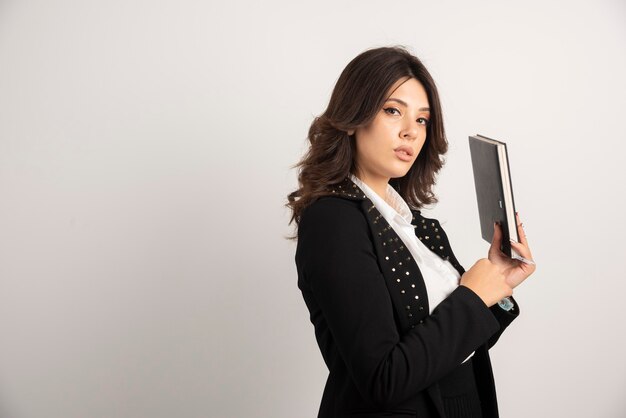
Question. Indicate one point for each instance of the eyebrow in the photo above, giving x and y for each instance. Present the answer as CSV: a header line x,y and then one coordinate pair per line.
x,y
402,102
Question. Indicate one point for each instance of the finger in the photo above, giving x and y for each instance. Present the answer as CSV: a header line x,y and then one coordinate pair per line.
x,y
497,237
520,248
495,252
523,250
525,260
520,230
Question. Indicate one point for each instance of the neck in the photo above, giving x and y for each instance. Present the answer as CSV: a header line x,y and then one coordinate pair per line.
x,y
377,184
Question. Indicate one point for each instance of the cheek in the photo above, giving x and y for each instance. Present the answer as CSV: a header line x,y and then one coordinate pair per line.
x,y
377,147
374,141
365,140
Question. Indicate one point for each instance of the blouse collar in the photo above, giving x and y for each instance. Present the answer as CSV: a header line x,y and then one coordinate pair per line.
x,y
398,208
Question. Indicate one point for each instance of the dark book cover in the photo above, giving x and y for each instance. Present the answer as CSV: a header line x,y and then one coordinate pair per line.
x,y
494,190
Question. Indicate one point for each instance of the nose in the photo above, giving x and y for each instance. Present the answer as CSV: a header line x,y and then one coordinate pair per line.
x,y
410,130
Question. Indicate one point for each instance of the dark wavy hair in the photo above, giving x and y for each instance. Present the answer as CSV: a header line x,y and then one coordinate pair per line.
x,y
359,94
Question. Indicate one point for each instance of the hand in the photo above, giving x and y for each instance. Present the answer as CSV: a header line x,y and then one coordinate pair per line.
x,y
487,281
515,271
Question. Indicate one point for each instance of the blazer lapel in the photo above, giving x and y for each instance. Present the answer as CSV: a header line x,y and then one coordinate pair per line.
x,y
402,275
432,235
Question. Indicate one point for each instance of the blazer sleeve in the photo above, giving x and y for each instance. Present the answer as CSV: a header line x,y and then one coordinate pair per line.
x,y
338,264
504,318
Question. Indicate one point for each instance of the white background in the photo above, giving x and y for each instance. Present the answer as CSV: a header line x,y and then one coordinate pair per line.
x,y
145,158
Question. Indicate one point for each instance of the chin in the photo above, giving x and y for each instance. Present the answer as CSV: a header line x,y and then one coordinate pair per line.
x,y
402,170
396,168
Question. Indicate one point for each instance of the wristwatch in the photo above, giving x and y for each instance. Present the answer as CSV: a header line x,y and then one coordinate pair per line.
x,y
506,304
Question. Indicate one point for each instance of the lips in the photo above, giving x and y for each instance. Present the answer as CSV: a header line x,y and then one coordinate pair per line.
x,y
406,149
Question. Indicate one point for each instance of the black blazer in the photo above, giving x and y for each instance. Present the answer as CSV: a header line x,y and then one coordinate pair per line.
x,y
368,303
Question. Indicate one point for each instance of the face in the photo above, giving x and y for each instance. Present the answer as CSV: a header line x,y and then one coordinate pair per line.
x,y
401,122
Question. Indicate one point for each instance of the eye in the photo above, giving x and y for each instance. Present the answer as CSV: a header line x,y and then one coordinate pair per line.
x,y
392,109
423,121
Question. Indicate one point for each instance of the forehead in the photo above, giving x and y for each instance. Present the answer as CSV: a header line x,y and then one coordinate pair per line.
x,y
409,90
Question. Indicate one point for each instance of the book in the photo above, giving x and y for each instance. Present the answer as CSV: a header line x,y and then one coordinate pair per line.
x,y
494,190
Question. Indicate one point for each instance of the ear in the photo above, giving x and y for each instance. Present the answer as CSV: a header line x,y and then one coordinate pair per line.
x,y
351,132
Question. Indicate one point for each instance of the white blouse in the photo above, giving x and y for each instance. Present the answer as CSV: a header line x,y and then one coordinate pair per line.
x,y
440,276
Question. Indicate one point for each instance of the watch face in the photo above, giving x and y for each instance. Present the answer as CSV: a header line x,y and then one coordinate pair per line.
x,y
506,304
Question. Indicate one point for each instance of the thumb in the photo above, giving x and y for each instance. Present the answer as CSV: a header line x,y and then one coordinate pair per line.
x,y
497,238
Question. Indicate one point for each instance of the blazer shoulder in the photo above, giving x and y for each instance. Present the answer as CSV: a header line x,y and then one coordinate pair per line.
x,y
329,208
333,226
333,217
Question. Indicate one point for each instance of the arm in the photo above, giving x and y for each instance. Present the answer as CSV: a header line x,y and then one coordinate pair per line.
x,y
337,261
504,317
516,272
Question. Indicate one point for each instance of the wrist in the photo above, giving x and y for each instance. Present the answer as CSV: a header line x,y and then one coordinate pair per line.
x,y
506,304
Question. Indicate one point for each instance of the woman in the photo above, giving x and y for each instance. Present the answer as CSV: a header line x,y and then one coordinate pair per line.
x,y
402,327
